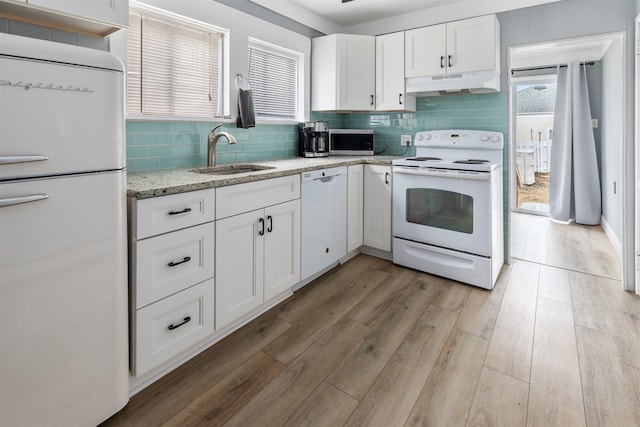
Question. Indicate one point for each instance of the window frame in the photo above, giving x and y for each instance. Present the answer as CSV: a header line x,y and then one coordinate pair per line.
x,y
223,82
299,57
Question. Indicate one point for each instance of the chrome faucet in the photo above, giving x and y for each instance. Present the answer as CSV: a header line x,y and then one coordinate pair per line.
x,y
213,140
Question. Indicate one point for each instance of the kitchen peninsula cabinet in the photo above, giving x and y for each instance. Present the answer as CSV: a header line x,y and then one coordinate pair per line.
x,y
462,46
171,276
258,245
377,207
343,73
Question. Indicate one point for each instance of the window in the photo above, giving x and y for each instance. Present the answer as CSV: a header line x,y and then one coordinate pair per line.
x,y
174,65
273,75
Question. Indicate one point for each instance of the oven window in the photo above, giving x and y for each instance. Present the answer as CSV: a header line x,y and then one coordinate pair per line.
x,y
441,209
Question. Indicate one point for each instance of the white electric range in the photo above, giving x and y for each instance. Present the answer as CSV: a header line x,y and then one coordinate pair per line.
x,y
447,206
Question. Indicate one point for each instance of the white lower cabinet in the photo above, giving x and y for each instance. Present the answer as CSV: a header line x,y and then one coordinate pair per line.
x,y
377,207
172,325
257,245
355,207
171,276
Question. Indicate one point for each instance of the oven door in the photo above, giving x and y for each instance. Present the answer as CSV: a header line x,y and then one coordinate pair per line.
x,y
446,208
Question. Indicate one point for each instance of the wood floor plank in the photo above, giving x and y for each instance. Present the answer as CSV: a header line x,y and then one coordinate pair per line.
x,y
225,398
169,395
305,332
326,407
555,396
554,284
310,296
448,393
355,374
394,393
611,390
511,343
599,303
499,400
374,304
452,295
479,314
279,400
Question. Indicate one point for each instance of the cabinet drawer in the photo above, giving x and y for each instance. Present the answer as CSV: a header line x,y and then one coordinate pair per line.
x,y
167,213
172,325
171,262
239,198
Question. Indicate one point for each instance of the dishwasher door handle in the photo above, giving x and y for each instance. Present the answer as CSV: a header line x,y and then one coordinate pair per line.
x,y
326,178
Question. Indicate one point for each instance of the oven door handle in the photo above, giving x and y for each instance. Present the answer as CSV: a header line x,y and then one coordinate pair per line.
x,y
444,173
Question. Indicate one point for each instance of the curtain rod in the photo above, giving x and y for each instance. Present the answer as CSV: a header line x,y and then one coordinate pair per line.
x,y
549,67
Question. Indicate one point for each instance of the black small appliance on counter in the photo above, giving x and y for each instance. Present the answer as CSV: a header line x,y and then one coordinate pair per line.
x,y
313,139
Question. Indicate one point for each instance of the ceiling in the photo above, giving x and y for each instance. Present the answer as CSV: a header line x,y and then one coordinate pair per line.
x,y
360,11
381,16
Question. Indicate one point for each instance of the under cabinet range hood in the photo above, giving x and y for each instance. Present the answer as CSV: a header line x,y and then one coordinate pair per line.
x,y
446,84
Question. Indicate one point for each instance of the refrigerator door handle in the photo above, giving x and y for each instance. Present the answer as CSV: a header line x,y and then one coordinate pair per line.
x,y
23,199
7,160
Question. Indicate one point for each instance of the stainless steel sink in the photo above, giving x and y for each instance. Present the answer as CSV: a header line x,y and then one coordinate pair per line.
x,y
231,169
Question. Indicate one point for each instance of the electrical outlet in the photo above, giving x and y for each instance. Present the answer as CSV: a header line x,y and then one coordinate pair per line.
x,y
405,140
594,123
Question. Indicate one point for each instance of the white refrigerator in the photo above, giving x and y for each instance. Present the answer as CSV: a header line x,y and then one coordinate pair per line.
x,y
63,271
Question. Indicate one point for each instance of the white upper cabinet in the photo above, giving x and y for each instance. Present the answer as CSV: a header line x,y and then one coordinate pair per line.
x,y
96,17
390,64
455,47
114,12
343,73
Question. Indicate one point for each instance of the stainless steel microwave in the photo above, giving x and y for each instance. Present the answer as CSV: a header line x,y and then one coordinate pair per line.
x,y
350,142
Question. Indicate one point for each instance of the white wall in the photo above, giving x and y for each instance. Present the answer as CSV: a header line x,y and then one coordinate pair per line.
x,y
241,27
612,137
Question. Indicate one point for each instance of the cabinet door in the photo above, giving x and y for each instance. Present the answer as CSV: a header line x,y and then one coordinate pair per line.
x,y
390,90
355,206
356,73
239,261
281,248
107,11
426,51
377,207
472,44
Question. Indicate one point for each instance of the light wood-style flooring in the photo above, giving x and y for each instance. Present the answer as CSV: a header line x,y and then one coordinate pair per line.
x,y
374,344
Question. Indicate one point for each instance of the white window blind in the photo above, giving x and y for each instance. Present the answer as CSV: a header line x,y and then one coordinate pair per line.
x,y
273,75
174,66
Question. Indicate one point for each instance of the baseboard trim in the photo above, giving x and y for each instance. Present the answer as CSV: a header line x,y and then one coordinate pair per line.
x,y
615,242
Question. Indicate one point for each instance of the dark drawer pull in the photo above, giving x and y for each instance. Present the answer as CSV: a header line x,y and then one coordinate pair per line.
x,y
185,259
187,319
185,210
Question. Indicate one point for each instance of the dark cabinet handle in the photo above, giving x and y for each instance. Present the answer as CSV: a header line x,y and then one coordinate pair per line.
x,y
261,232
400,99
185,210
171,327
371,99
442,62
386,178
449,61
185,259
270,227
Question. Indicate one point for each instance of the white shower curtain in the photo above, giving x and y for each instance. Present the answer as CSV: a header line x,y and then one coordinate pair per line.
x,y
574,191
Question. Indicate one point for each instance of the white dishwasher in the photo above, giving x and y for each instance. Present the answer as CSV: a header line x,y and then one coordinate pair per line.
x,y
323,220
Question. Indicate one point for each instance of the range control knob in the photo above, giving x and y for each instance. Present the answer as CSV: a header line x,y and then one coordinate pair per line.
x,y
495,138
420,137
428,137
484,138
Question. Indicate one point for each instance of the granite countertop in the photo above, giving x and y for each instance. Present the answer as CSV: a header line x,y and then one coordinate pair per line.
x,y
143,185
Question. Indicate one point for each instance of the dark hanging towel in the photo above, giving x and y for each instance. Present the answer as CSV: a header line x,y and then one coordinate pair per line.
x,y
246,115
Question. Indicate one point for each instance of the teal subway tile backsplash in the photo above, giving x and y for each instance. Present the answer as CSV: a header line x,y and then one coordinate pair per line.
x,y
164,144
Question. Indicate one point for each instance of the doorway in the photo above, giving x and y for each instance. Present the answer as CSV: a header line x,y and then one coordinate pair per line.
x,y
540,62
534,98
